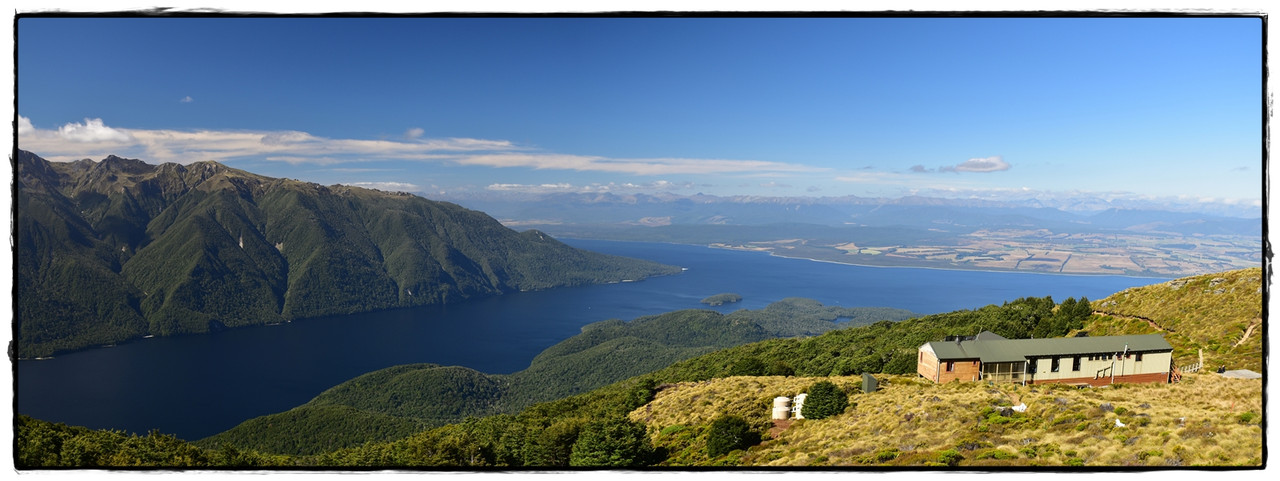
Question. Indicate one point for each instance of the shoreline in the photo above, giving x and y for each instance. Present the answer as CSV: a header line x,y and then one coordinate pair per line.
x,y
1000,271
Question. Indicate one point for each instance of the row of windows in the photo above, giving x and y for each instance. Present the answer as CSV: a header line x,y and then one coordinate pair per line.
x,y
1075,361
1053,363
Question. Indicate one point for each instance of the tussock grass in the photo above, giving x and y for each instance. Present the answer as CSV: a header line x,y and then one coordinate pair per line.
x,y
1212,312
1203,421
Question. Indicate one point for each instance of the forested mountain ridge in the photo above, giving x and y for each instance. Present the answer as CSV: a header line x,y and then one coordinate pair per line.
x,y
119,249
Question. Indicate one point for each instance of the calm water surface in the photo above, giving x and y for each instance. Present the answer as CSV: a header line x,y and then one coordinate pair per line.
x,y
196,386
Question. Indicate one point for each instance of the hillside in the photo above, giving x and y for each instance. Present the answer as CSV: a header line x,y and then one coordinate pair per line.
x,y
666,417
119,249
1205,420
390,401
1220,314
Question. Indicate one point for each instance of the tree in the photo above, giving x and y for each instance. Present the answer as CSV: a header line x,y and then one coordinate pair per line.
x,y
642,393
748,366
553,446
824,400
728,433
611,442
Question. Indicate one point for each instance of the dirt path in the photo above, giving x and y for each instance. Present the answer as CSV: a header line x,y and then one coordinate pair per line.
x,y
1134,318
1247,332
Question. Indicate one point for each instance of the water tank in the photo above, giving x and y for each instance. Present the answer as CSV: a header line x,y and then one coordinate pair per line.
x,y
781,407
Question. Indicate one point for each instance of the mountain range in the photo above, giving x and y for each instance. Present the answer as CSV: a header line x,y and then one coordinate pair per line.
x,y
952,215
120,249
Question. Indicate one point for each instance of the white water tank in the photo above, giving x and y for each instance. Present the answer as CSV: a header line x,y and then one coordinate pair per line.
x,y
798,405
781,407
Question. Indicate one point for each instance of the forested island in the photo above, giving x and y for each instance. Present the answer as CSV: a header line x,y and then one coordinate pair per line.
x,y
722,299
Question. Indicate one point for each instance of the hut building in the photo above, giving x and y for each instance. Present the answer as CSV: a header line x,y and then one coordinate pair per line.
x,y
1093,361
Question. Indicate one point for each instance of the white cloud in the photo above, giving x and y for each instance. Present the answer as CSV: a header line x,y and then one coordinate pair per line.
x,y
594,188
24,126
92,130
96,140
988,164
387,186
979,165
187,100
414,133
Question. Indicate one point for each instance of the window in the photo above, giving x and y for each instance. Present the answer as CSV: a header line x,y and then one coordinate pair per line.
x,y
1031,366
1075,363
951,366
1053,366
1137,357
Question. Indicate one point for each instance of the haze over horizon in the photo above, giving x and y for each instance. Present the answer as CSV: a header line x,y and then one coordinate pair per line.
x,y
1152,109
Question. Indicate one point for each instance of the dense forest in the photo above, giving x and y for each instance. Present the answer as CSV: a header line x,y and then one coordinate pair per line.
x,y
115,250
390,401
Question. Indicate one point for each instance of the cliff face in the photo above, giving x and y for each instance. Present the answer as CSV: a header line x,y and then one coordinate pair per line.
x,y
118,249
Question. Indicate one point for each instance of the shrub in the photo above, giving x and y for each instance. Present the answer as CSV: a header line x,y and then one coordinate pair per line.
x,y
728,433
669,430
824,400
996,454
1247,418
950,457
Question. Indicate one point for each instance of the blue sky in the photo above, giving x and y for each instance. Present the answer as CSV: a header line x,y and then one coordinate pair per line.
x,y
1000,107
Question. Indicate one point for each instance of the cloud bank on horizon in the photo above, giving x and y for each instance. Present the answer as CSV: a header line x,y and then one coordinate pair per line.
x,y
93,138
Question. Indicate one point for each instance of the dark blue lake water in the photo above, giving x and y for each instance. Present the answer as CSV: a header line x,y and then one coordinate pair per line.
x,y
196,386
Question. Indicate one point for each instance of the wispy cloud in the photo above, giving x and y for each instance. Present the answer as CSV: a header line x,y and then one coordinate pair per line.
x,y
594,188
93,139
187,100
978,165
387,186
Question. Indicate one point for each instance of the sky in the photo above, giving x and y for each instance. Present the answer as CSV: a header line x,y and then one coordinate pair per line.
x,y
1155,108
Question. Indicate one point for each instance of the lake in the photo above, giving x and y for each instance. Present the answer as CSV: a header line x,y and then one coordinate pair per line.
x,y
198,385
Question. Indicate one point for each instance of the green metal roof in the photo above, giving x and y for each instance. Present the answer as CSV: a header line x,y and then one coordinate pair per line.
x,y
997,349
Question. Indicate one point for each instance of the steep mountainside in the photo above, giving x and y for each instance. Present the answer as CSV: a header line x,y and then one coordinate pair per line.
x,y
119,249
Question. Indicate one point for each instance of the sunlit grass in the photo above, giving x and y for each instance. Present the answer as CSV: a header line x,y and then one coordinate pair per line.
x,y
1211,312
1207,420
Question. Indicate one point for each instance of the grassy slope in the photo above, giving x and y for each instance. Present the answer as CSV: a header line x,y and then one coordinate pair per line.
x,y
1205,420
1210,312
